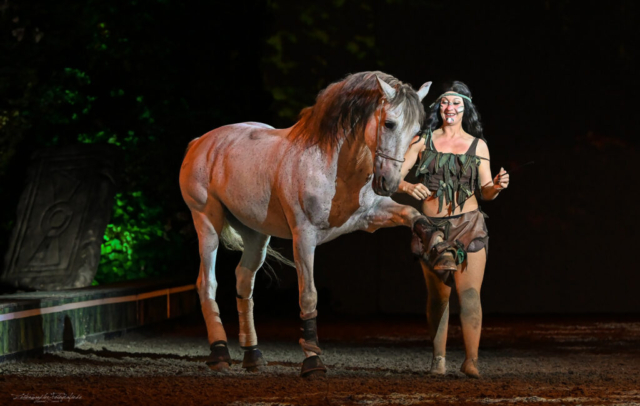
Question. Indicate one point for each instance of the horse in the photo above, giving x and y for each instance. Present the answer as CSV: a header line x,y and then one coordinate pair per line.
x,y
329,174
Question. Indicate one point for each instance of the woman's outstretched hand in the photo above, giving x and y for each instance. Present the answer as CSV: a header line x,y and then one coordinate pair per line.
x,y
501,181
417,190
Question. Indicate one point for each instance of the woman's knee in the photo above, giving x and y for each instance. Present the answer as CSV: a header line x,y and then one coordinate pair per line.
x,y
470,306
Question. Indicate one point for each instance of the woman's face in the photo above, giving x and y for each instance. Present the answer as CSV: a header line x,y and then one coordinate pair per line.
x,y
451,109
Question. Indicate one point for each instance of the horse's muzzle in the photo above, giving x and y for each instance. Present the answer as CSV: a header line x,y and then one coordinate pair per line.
x,y
386,176
383,186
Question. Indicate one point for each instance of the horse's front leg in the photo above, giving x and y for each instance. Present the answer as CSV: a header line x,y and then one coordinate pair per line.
x,y
388,213
304,246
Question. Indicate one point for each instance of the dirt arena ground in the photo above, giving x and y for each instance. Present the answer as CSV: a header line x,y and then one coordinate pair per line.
x,y
553,360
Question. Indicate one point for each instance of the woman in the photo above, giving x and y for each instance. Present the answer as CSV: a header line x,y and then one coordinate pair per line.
x,y
454,171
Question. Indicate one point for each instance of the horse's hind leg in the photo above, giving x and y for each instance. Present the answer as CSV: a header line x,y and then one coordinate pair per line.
x,y
208,227
253,256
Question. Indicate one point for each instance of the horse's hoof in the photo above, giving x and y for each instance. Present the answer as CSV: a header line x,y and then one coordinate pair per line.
x,y
446,263
313,368
220,367
441,257
253,370
219,359
253,360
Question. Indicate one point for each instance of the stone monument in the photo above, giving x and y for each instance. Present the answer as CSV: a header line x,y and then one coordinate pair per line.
x,y
61,218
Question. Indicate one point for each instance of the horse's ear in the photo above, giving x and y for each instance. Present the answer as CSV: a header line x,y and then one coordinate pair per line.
x,y
386,89
424,90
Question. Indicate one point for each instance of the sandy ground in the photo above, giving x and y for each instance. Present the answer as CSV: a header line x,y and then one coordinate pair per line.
x,y
571,361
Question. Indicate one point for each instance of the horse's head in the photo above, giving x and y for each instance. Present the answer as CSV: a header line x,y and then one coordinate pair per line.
x,y
372,107
390,129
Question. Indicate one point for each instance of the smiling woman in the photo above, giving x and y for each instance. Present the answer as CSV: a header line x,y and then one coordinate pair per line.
x,y
453,168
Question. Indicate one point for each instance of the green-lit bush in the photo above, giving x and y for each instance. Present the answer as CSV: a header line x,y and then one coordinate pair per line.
x,y
89,74
125,254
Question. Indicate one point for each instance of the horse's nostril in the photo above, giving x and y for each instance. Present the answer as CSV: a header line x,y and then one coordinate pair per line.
x,y
383,184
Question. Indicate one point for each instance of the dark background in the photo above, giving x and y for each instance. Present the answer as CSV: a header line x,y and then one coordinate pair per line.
x,y
555,82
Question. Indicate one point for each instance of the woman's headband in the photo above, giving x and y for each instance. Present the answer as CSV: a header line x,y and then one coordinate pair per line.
x,y
450,94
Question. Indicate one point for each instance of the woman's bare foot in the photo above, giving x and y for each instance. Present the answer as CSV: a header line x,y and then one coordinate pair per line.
x,y
438,366
470,368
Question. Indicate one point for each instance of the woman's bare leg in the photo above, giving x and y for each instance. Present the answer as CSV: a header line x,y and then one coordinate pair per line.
x,y
468,283
437,316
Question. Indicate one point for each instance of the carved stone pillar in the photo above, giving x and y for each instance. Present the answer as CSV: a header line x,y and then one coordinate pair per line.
x,y
61,218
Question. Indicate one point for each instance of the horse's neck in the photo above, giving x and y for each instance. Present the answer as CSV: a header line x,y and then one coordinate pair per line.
x,y
354,163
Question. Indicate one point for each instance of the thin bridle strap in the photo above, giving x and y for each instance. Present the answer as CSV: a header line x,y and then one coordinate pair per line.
x,y
378,152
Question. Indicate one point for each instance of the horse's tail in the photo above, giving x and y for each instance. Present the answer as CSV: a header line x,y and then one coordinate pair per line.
x,y
232,241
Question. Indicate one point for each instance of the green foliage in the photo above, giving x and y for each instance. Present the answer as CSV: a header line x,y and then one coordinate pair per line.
x,y
87,73
135,225
66,101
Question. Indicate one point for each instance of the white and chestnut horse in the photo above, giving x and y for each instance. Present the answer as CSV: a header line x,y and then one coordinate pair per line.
x,y
328,175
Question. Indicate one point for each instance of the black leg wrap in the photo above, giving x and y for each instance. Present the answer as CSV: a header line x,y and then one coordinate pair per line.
x,y
309,340
310,330
219,353
253,359
312,366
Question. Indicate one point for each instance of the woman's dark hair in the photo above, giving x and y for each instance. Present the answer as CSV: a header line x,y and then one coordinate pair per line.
x,y
471,119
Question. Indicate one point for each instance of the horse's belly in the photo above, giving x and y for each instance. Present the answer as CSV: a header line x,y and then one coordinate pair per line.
x,y
266,218
243,177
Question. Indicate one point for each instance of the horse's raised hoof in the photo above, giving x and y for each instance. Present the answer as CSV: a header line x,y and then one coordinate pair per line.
x,y
219,359
313,368
470,368
253,360
446,262
442,258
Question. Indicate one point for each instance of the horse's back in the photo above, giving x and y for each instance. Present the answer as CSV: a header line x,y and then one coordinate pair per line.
x,y
236,164
202,151
257,124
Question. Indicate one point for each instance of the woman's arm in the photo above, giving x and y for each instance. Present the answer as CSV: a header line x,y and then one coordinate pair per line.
x,y
418,190
490,188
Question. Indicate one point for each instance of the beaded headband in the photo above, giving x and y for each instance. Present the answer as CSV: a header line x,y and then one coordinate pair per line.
x,y
450,94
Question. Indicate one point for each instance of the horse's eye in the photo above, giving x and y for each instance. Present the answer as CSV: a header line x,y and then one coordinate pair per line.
x,y
390,125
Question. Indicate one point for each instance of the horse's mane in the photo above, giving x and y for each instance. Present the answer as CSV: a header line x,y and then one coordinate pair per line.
x,y
343,109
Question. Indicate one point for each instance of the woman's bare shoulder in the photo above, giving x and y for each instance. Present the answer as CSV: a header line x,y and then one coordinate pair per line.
x,y
482,150
468,137
417,143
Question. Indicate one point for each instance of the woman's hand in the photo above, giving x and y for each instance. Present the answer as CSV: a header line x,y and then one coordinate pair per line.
x,y
417,190
501,181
